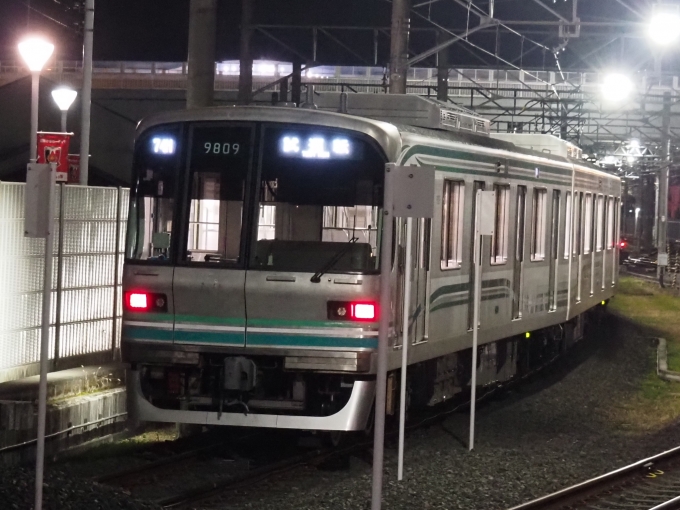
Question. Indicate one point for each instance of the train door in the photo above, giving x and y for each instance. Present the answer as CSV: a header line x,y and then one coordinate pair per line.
x,y
578,240
421,284
587,244
519,253
554,253
477,185
210,277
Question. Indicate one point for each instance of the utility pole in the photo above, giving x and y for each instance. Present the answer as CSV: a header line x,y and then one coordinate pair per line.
x,y
245,77
201,60
662,205
442,69
399,33
86,93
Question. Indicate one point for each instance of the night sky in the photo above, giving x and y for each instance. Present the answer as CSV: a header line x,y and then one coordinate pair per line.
x,y
157,30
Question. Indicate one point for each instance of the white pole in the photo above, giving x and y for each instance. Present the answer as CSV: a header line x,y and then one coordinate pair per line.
x,y
35,98
86,93
385,312
63,121
404,346
475,319
44,345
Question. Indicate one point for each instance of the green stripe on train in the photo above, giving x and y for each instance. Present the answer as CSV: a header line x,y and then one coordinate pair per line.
x,y
266,339
140,333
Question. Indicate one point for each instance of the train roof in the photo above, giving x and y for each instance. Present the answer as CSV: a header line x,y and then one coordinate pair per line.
x,y
386,134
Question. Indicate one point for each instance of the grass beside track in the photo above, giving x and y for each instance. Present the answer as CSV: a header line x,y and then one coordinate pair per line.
x,y
657,312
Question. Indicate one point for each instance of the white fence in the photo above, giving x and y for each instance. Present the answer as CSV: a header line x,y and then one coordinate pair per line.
x,y
88,257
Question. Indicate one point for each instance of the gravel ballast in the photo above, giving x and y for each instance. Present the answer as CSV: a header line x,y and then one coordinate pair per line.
x,y
546,435
62,492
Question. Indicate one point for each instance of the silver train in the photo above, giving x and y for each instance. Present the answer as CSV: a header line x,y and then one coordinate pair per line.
x,y
251,279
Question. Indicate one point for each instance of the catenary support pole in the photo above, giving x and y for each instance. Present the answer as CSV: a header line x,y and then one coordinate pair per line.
x,y
442,69
475,317
201,59
44,345
662,206
406,314
385,311
245,77
296,83
86,93
35,99
399,45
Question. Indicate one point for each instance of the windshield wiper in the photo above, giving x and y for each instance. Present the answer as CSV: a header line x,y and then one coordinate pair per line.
x,y
329,265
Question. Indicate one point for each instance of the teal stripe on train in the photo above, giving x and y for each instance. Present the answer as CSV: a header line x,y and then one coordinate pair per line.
x,y
142,333
278,340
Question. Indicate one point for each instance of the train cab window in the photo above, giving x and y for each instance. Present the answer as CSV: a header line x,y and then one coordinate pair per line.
x,y
319,197
599,224
538,224
588,225
152,207
610,222
452,224
218,168
567,225
499,241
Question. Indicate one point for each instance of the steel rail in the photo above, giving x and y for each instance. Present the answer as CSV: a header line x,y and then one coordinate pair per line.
x,y
599,481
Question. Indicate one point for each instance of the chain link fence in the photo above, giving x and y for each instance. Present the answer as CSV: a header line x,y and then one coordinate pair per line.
x,y
86,304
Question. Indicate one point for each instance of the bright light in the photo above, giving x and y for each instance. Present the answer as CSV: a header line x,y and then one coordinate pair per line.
x,y
35,51
664,28
291,145
340,146
634,143
163,145
365,311
316,149
137,301
616,87
64,97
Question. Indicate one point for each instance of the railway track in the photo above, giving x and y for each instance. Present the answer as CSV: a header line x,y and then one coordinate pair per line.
x,y
649,484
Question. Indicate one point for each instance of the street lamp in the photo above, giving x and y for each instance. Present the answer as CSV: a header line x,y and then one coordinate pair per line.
x,y
616,87
35,51
664,26
64,98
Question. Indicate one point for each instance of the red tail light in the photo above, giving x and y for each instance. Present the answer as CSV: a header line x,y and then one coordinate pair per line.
x,y
137,301
366,311
623,244
362,311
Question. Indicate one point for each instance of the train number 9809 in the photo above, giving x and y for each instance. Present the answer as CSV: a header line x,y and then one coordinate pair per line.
x,y
224,149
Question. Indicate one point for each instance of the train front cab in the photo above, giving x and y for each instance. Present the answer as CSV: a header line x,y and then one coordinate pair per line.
x,y
251,277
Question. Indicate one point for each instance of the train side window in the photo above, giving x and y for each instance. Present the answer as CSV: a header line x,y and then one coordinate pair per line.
x,y
452,224
588,225
538,224
499,242
578,222
599,224
567,225
610,223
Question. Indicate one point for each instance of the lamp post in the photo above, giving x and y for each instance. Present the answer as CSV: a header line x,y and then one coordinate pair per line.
x,y
35,51
64,98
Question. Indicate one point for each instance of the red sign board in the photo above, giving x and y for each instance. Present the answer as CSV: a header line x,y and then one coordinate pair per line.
x,y
53,148
73,168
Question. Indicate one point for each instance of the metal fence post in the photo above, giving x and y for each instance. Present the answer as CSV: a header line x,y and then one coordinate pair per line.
x,y
60,265
116,262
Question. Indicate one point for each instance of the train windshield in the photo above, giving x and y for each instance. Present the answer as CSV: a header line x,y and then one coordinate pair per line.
x,y
282,198
319,202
